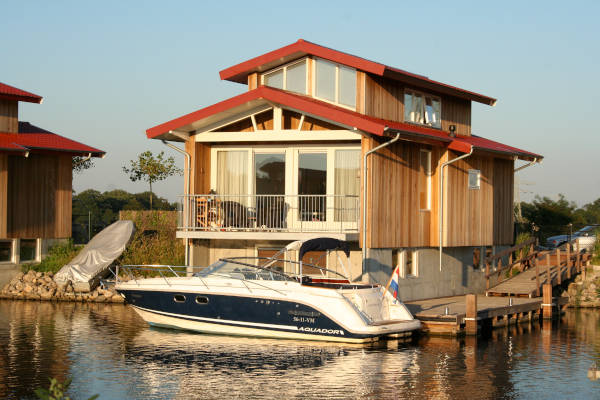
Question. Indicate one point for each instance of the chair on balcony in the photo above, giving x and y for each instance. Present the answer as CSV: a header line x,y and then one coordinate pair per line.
x,y
234,215
271,212
208,212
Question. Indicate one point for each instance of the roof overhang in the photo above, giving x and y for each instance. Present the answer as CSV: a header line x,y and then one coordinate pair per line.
x,y
239,73
8,92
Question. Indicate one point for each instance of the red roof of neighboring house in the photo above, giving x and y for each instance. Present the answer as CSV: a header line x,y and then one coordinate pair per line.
x,y
239,73
33,138
327,111
12,93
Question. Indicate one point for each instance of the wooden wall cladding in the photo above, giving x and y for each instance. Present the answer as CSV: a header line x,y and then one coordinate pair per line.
x,y
394,215
3,194
9,116
384,98
39,196
200,162
479,217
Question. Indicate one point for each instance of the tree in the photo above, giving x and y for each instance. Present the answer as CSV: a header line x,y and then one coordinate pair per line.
x,y
152,169
80,164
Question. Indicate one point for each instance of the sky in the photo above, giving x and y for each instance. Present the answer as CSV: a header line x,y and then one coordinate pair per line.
x,y
109,70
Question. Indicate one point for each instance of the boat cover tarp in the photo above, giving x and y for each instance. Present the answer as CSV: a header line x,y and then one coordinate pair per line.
x,y
324,244
98,254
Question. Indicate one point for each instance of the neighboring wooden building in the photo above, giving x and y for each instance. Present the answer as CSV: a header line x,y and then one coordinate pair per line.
x,y
284,161
35,181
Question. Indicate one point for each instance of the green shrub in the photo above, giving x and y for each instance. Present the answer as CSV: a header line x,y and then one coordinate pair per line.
x,y
57,257
596,251
522,238
56,391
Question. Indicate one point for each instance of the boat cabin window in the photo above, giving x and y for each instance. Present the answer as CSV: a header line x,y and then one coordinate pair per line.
x,y
201,300
179,298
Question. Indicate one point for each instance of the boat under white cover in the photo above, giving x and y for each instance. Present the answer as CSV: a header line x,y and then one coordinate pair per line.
x,y
248,297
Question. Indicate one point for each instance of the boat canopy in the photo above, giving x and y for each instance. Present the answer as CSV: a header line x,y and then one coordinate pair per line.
x,y
324,244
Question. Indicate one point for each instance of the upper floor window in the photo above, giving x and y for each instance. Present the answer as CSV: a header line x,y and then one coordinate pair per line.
x,y
335,83
290,77
422,109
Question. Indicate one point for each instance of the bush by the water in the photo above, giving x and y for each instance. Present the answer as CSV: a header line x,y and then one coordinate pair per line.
x,y
58,256
154,241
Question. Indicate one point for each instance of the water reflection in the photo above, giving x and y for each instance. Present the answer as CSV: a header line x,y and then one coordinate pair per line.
x,y
109,350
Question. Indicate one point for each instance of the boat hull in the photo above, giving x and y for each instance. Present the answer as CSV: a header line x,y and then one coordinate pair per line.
x,y
250,316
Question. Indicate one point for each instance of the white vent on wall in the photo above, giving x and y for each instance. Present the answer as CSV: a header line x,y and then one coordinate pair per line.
x,y
474,179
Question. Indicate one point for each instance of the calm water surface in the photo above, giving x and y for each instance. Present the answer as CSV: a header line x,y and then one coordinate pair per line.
x,y
108,349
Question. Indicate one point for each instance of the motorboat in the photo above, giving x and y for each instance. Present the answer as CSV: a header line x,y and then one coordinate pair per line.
x,y
267,297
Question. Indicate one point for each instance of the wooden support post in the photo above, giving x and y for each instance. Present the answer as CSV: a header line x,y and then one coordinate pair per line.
x,y
559,266
548,279
547,301
499,269
471,315
568,261
537,276
487,275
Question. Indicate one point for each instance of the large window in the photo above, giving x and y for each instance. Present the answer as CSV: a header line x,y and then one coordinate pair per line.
x,y
347,183
312,186
335,83
422,109
290,77
232,178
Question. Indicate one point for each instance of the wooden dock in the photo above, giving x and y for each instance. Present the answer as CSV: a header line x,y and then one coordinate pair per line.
x,y
449,315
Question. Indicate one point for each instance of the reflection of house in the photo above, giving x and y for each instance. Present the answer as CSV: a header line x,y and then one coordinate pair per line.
x,y
35,181
315,113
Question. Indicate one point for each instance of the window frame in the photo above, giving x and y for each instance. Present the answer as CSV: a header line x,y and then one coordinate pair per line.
x,y
477,173
424,95
284,68
402,258
337,83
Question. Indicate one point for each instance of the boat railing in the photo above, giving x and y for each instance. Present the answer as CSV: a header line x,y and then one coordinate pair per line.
x,y
294,275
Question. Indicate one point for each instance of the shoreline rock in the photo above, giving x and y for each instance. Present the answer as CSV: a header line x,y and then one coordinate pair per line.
x,y
585,293
40,286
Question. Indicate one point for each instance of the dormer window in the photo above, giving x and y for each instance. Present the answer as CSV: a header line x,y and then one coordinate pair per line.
x,y
290,77
335,83
422,109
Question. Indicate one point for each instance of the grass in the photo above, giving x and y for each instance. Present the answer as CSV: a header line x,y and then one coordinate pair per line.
x,y
58,256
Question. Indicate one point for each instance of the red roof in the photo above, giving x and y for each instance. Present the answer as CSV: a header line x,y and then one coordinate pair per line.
x,y
33,138
239,73
339,115
12,93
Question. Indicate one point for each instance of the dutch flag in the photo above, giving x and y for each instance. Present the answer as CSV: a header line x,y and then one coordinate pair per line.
x,y
394,282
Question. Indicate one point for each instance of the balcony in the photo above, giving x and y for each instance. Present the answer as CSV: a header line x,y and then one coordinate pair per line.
x,y
274,217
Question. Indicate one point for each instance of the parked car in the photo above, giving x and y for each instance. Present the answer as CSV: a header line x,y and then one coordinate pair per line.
x,y
559,240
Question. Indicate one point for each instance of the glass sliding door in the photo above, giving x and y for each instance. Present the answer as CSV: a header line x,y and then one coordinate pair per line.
x,y
231,208
269,174
312,186
347,185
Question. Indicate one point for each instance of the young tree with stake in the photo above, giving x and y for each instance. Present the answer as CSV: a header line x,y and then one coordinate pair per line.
x,y
152,169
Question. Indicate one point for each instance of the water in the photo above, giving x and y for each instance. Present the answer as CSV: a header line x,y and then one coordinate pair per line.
x,y
109,350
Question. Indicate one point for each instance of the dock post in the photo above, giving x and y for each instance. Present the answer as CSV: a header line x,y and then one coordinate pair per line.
x,y
487,275
559,266
471,315
537,276
547,301
568,261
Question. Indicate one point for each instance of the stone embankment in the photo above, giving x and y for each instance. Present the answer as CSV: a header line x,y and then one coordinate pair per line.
x,y
41,286
585,292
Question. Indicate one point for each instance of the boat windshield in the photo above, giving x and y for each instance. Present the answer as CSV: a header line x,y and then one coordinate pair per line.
x,y
228,268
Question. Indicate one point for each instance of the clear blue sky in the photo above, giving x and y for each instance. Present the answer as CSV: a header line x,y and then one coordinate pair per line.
x,y
109,70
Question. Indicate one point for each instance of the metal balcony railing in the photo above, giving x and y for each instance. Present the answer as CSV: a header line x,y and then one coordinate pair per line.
x,y
276,213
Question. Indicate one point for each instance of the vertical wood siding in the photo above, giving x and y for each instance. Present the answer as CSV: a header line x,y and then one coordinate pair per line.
x,y
479,217
39,196
200,162
384,98
394,217
9,118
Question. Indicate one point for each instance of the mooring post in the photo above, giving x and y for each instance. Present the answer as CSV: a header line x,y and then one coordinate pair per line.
x,y
547,301
559,266
487,275
537,276
568,261
471,317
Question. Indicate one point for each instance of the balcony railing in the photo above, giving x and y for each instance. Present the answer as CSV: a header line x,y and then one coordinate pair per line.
x,y
269,213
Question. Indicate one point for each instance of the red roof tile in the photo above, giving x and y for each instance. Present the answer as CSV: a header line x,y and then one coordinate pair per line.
x,y
342,116
239,73
12,93
33,138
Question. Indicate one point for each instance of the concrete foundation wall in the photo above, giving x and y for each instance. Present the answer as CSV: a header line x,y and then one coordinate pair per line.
x,y
456,277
